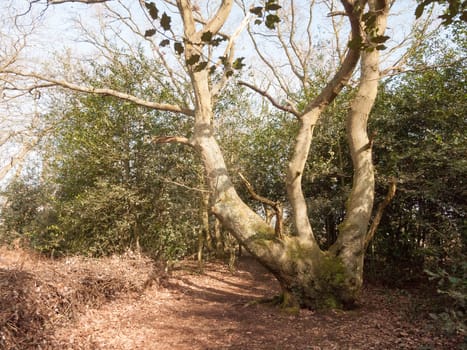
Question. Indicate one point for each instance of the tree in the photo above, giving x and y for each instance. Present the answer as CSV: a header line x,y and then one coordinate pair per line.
x,y
309,276
423,148
115,190
454,10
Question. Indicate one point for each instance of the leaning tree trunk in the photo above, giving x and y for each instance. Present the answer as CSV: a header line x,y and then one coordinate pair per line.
x,y
308,276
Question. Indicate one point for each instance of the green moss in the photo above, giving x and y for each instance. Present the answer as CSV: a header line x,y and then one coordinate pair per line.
x,y
264,236
332,272
330,284
299,252
331,302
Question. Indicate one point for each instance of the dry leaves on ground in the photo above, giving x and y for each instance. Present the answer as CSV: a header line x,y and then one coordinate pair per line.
x,y
129,303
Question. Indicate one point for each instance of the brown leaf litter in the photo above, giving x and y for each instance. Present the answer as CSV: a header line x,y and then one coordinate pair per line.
x,y
128,302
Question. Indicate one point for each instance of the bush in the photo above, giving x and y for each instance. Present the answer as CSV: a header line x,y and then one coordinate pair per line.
x,y
452,284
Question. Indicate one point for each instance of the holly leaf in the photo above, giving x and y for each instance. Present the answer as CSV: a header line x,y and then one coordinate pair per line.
x,y
178,47
206,37
258,11
238,63
165,21
150,32
419,10
379,39
200,66
217,41
193,59
223,60
153,11
272,20
272,6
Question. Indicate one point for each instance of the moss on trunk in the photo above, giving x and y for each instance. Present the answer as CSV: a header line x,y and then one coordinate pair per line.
x,y
313,279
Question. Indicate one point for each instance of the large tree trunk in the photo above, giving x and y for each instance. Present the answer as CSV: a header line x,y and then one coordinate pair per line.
x,y
309,277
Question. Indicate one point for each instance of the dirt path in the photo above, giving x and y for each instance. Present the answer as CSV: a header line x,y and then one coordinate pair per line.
x,y
208,311
78,303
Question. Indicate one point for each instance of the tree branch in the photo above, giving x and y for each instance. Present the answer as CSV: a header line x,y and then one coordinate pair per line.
x,y
172,139
276,206
289,108
379,212
56,2
103,91
342,76
218,20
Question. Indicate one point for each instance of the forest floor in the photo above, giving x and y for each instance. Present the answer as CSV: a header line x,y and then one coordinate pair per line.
x,y
130,303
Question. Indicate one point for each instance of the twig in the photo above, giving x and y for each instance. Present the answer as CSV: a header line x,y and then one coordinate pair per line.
x,y
276,206
276,104
379,212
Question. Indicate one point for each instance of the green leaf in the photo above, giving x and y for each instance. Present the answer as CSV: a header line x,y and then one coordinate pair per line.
x,y
419,10
217,41
153,11
380,39
200,66
229,73
381,47
370,19
258,11
223,60
165,21
149,33
193,59
206,37
258,22
178,47
272,20
164,42
272,6
238,63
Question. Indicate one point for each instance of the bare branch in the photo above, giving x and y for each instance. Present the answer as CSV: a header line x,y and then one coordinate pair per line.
x,y
289,108
276,206
343,75
179,184
56,2
229,52
218,20
172,139
105,92
379,212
